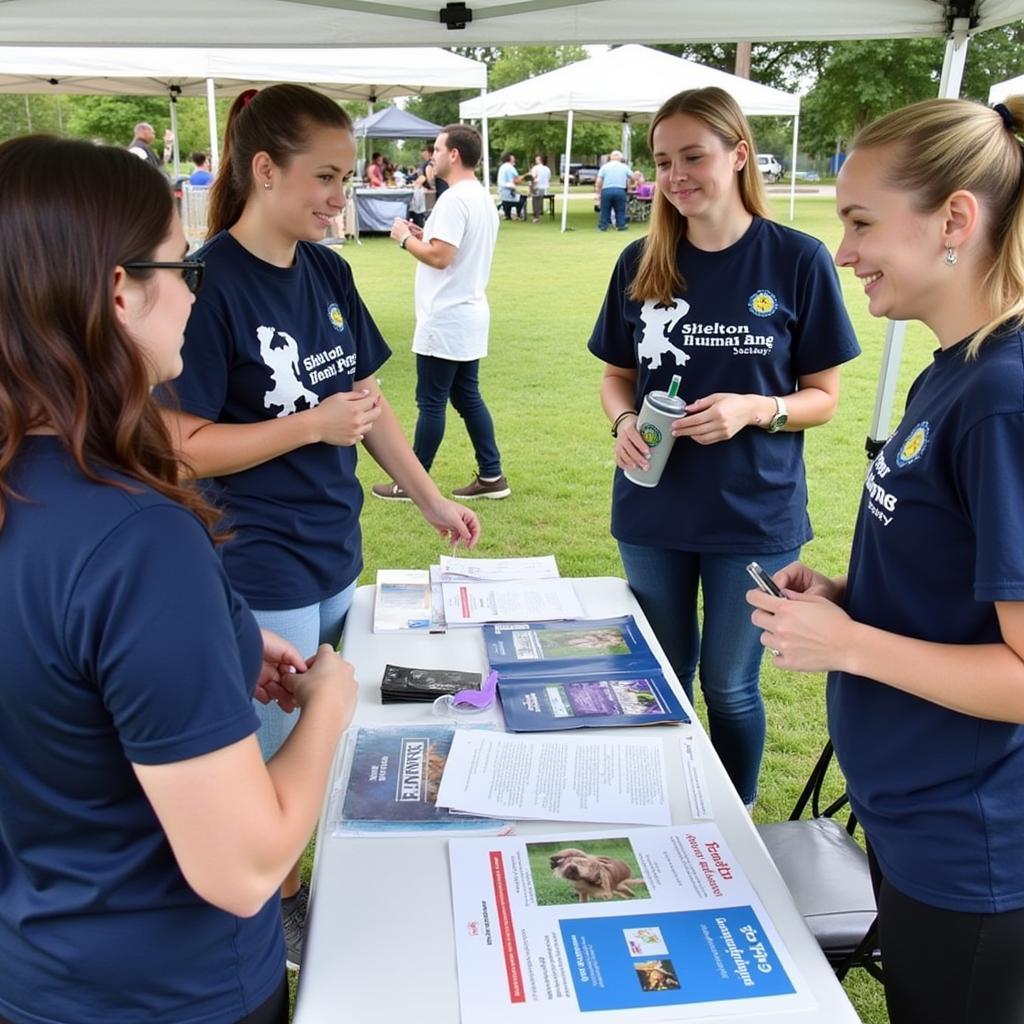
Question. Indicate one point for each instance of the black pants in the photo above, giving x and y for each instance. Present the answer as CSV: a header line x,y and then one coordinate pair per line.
x,y
519,204
946,966
272,1011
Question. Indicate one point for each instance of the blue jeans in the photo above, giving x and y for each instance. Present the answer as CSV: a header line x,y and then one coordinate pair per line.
x,y
728,652
307,628
613,199
437,381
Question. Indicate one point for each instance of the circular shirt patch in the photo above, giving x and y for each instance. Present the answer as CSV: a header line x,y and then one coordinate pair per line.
x,y
651,434
334,315
914,445
762,303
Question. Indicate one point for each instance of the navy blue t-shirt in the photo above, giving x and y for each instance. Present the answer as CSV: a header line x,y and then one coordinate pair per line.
x,y
939,538
123,642
265,342
754,317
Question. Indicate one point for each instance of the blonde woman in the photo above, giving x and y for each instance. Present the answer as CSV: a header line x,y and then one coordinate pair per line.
x,y
750,314
924,638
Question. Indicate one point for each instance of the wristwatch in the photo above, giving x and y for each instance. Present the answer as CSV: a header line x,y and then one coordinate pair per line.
x,y
781,417
401,244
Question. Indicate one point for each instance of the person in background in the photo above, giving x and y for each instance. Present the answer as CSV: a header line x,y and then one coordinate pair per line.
x,y
612,181
142,838
513,204
142,145
280,387
540,179
749,313
201,176
923,638
375,172
454,252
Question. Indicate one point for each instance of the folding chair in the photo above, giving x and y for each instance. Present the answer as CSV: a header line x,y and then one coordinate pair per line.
x,y
827,874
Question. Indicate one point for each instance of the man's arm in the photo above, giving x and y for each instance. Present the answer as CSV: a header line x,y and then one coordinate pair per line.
x,y
435,253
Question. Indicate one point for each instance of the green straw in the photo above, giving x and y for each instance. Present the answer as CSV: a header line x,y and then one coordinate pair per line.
x,y
673,387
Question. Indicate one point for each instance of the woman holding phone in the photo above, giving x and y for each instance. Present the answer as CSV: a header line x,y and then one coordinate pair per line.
x,y
749,313
923,638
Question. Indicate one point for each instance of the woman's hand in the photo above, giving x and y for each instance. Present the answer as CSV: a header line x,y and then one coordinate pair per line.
x,y
453,522
281,660
718,417
631,450
801,579
345,417
806,632
328,671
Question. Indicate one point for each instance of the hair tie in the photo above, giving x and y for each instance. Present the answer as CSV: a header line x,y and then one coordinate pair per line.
x,y
1008,119
247,96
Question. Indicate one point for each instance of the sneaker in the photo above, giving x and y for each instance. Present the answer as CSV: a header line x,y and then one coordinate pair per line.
x,y
293,915
389,492
478,488
536,220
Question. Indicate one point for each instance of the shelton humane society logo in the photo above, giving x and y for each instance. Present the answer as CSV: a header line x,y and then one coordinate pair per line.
x,y
667,331
337,321
881,499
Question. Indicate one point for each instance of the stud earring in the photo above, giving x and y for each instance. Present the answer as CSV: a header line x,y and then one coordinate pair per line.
x,y
950,256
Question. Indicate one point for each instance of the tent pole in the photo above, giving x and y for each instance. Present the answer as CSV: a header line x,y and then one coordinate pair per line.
x,y
949,88
176,158
211,113
792,170
486,140
627,140
565,175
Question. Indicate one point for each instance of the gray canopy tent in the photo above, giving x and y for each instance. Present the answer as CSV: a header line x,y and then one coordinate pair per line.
x,y
394,123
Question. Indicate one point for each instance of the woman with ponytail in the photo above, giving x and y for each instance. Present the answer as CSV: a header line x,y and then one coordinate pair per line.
x,y
750,315
280,387
923,638
142,838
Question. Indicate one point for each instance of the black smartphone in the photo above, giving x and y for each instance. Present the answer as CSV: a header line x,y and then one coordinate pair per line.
x,y
763,580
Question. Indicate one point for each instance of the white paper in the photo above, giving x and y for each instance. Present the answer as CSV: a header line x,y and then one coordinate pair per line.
x,y
437,619
541,567
510,601
402,601
684,937
557,777
696,780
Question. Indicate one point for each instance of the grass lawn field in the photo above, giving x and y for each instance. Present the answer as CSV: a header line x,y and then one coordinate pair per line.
x,y
542,387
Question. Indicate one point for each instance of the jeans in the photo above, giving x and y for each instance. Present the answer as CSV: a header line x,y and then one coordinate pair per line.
x,y
437,381
519,204
306,628
613,199
728,651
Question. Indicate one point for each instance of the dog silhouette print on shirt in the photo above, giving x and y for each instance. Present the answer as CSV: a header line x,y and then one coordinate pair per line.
x,y
282,359
659,321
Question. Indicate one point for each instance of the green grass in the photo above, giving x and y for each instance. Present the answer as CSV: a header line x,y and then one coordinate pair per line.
x,y
542,388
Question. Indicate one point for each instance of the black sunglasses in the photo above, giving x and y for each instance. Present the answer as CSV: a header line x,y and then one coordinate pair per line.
x,y
191,270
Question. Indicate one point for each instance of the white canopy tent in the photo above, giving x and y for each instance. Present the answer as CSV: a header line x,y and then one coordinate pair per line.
x,y
1011,87
346,74
619,85
326,23
316,24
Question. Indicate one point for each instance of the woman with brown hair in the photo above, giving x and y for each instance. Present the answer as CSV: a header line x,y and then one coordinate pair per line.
x,y
750,315
280,386
141,835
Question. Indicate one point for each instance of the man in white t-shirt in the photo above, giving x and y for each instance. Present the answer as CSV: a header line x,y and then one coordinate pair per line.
x,y
454,250
540,175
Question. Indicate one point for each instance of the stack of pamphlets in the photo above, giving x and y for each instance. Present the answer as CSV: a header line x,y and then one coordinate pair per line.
x,y
470,591
568,675
402,685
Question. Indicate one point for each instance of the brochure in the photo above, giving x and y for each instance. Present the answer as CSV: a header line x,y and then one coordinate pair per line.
x,y
654,924
542,567
472,603
402,601
584,648
391,783
569,675
538,705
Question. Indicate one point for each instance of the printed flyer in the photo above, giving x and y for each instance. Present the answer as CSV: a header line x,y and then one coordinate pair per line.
x,y
654,924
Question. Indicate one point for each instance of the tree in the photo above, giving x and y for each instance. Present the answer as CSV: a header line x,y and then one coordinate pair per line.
x,y
781,65
992,57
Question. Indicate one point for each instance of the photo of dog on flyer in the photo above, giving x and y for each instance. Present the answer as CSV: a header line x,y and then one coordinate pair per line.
x,y
585,870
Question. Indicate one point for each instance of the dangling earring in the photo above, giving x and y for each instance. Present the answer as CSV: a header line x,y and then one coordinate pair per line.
x,y
267,186
950,256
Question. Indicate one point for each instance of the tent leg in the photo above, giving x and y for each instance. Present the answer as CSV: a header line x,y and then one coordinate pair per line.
x,y
792,170
486,140
949,87
175,151
211,113
565,176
